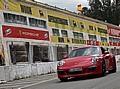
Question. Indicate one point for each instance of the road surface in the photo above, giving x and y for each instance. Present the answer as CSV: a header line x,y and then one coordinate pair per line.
x,y
110,81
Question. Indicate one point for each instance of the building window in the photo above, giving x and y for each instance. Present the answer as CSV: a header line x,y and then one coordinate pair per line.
x,y
95,28
12,18
92,37
81,25
74,24
40,53
90,27
75,35
116,40
64,33
60,39
57,20
101,30
26,9
78,35
110,39
19,52
55,32
41,13
103,39
61,51
37,23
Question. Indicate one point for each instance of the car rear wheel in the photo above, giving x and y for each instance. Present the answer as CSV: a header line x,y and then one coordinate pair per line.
x,y
63,79
114,66
103,69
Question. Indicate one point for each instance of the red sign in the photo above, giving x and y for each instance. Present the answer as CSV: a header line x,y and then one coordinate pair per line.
x,y
114,43
91,42
113,31
111,43
19,32
119,44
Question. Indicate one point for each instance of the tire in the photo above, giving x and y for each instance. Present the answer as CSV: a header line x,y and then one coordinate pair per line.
x,y
103,69
63,79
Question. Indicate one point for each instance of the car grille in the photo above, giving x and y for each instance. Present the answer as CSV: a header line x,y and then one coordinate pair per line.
x,y
75,72
84,70
60,72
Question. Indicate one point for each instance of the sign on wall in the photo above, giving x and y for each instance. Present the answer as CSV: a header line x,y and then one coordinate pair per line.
x,y
113,31
19,32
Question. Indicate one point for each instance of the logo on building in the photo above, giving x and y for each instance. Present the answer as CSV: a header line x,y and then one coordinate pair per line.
x,y
8,31
46,35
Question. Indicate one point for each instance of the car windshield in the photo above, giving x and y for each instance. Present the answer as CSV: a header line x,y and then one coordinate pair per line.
x,y
88,51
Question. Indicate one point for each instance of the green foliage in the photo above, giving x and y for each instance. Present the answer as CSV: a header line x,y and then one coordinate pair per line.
x,y
104,10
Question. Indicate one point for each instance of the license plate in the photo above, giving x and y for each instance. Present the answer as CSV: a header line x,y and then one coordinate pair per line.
x,y
75,70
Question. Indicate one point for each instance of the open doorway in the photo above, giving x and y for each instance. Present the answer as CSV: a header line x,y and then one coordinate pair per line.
x,y
40,53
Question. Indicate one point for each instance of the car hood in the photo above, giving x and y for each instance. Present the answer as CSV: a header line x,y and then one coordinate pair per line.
x,y
78,61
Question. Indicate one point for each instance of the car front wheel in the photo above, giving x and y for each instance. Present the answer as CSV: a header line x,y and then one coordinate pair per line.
x,y
63,79
103,69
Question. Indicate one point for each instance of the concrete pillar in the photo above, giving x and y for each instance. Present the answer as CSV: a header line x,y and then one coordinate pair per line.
x,y
50,52
30,56
53,50
7,53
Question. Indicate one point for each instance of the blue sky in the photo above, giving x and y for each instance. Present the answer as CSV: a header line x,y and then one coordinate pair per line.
x,y
68,4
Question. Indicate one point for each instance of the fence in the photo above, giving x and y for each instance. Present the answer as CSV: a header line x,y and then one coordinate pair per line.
x,y
117,58
26,70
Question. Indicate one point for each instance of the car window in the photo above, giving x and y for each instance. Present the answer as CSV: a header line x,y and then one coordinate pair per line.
x,y
95,51
88,51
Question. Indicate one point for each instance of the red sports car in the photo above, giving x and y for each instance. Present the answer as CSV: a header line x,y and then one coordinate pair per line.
x,y
90,60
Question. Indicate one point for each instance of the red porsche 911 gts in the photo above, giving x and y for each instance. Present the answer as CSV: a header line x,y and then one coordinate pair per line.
x,y
84,61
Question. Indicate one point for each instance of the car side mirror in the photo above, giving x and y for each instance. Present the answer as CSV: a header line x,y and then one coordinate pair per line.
x,y
106,52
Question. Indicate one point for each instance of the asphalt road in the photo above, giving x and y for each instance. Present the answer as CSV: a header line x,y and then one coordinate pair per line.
x,y
50,81
110,81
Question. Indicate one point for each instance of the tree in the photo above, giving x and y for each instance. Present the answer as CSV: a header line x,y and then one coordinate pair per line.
x,y
104,10
107,12
96,9
84,11
116,12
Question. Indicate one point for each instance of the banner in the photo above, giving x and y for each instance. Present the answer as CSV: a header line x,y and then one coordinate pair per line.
x,y
113,31
19,32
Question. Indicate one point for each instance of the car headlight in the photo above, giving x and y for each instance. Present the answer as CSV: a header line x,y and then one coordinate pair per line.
x,y
94,60
61,63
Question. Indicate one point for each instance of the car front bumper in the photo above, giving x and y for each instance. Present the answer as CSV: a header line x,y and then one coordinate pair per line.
x,y
85,71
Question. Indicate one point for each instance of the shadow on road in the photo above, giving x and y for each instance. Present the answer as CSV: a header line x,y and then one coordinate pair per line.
x,y
86,78
80,79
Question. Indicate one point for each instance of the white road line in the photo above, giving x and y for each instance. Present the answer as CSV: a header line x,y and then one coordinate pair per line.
x,y
36,83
